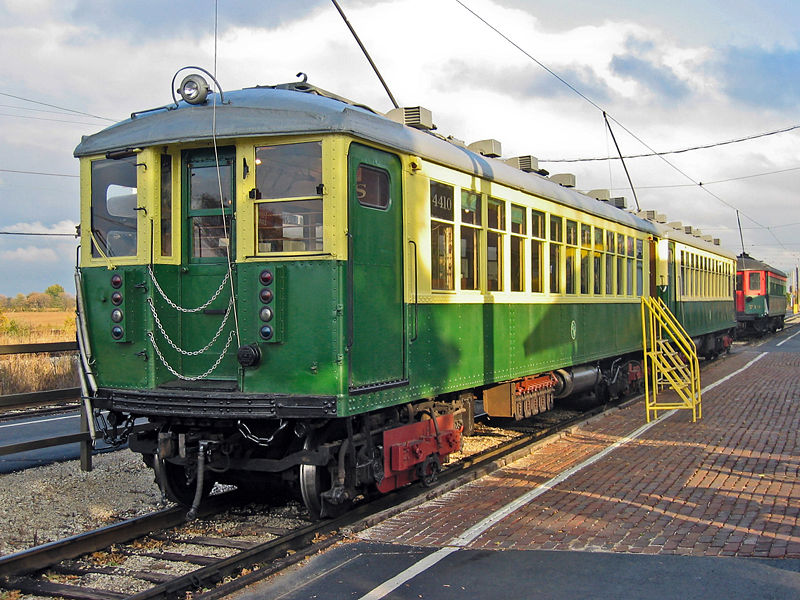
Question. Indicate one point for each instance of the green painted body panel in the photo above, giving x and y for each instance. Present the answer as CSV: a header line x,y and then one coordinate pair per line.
x,y
376,340
459,346
699,318
310,359
763,306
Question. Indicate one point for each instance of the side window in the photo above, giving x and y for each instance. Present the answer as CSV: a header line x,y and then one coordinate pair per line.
x,y
372,187
629,272
620,264
639,267
586,254
496,220
598,260
166,205
610,262
556,252
442,254
288,198
571,261
537,249
113,210
518,231
470,240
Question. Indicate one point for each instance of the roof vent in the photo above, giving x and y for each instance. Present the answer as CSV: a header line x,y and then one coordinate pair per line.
x,y
716,241
652,215
490,148
564,179
675,225
413,116
619,202
688,229
528,163
455,141
708,238
602,195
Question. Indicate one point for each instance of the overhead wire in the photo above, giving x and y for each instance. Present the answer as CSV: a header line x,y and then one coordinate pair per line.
x,y
71,110
679,151
624,128
37,173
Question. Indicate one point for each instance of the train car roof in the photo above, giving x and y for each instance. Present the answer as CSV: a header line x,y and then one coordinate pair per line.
x,y
745,262
269,111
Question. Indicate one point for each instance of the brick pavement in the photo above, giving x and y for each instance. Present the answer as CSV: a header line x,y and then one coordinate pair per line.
x,y
725,486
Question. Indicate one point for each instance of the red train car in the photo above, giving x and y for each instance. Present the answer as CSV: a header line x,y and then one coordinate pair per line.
x,y
760,296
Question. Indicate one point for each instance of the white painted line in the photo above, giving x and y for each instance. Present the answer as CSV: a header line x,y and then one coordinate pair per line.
x,y
387,587
781,343
39,421
478,529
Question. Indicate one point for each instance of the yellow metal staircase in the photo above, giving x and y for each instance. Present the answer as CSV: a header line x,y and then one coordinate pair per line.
x,y
670,360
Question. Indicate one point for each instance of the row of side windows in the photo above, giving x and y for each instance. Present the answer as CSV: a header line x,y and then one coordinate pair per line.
x,y
564,256
705,277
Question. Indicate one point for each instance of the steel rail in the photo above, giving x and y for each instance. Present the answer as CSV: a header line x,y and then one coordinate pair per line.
x,y
46,555
31,399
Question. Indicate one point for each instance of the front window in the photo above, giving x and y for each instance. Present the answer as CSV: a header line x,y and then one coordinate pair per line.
x,y
114,203
288,196
754,283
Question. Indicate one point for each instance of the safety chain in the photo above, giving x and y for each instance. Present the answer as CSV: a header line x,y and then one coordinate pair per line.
x,y
180,308
181,350
178,375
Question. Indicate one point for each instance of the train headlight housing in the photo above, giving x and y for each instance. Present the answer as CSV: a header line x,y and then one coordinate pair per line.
x,y
266,332
117,332
116,315
266,314
193,89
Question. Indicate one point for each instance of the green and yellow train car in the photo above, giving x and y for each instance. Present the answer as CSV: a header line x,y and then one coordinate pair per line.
x,y
297,292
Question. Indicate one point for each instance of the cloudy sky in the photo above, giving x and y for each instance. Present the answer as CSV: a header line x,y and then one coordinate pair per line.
x,y
671,76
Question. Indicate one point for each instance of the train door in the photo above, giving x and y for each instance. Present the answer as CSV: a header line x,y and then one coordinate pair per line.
x,y
376,313
208,196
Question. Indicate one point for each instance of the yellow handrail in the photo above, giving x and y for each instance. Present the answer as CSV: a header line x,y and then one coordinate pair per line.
x,y
664,366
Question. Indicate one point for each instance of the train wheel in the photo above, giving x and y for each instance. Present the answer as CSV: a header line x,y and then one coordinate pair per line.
x,y
180,486
315,481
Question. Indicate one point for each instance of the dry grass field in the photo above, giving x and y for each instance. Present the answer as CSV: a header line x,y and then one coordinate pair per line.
x,y
36,372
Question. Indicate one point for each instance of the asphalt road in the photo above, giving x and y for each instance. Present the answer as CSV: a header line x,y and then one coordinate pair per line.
x,y
31,428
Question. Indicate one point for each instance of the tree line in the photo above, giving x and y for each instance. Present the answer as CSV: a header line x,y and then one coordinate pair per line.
x,y
53,298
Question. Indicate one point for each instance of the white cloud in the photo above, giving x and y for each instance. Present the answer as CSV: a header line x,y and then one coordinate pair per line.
x,y
30,255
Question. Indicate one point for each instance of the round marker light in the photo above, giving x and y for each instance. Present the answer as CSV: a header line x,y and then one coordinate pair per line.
x,y
194,89
116,298
266,296
265,314
116,315
266,332
116,281
116,332
265,277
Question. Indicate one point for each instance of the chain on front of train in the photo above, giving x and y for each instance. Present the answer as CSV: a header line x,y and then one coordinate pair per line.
x,y
228,311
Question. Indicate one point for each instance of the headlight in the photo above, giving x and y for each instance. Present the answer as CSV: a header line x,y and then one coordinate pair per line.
x,y
194,89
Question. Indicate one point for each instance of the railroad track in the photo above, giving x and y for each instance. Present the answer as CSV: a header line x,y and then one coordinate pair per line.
x,y
162,556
